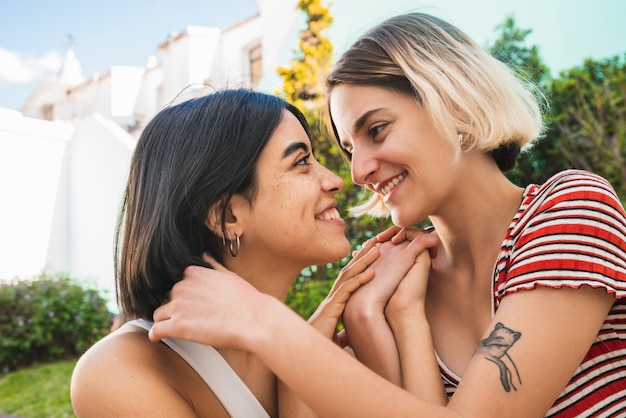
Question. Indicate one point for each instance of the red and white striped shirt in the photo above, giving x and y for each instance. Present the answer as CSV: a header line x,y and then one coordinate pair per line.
x,y
568,232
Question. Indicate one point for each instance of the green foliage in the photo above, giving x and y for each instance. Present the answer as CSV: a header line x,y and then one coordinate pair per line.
x,y
511,49
588,119
587,116
306,294
39,391
48,318
303,80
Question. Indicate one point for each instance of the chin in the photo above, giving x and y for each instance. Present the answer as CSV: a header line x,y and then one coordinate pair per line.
x,y
331,253
400,221
397,220
341,250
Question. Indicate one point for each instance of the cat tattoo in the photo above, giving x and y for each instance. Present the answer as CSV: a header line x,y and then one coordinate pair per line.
x,y
495,347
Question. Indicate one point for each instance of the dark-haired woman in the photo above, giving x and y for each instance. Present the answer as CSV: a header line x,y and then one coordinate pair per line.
x,y
231,176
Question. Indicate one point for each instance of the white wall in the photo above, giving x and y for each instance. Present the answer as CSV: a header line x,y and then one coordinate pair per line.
x,y
99,155
31,157
60,190
231,68
187,59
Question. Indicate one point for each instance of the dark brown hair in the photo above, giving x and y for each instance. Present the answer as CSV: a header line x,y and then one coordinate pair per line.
x,y
189,158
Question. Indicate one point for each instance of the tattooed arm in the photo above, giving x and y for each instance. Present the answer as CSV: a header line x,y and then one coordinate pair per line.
x,y
557,327
531,349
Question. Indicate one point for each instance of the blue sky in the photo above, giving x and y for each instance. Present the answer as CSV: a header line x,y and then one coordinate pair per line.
x,y
34,34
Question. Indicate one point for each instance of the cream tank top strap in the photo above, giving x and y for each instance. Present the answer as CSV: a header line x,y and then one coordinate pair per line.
x,y
227,386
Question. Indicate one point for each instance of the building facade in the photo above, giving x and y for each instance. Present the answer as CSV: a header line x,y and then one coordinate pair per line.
x,y
64,159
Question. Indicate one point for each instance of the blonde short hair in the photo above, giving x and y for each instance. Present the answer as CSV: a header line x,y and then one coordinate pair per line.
x,y
467,93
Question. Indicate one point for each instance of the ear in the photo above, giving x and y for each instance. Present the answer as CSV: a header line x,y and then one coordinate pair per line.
x,y
233,215
213,219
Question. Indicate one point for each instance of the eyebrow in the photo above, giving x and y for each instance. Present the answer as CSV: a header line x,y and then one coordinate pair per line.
x,y
294,147
358,125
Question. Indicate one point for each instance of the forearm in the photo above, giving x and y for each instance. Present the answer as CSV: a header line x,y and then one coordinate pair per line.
x,y
373,342
420,370
331,381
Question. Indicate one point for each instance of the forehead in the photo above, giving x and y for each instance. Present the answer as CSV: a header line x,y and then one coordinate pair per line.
x,y
288,131
350,104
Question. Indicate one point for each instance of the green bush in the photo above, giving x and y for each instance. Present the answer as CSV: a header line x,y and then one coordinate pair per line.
x,y
48,318
305,294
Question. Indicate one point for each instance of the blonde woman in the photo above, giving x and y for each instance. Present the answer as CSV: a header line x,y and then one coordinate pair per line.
x,y
524,307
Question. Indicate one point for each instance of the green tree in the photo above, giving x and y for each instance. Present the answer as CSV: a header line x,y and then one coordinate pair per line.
x,y
588,119
303,79
304,86
510,47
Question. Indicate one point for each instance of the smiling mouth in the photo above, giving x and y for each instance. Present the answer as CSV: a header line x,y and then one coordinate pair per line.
x,y
383,191
328,215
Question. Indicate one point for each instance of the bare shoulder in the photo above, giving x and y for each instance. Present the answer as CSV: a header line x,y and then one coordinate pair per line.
x,y
125,374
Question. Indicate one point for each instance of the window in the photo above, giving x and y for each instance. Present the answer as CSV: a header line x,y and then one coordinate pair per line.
x,y
256,65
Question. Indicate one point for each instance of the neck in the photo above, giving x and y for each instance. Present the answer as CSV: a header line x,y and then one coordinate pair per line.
x,y
270,277
473,223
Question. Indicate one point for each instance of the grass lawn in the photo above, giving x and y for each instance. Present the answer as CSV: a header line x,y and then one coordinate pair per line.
x,y
38,392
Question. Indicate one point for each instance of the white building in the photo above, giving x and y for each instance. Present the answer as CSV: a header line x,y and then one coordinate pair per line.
x,y
245,54
64,159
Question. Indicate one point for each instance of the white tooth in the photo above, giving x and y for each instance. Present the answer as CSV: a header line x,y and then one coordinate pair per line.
x,y
393,183
329,215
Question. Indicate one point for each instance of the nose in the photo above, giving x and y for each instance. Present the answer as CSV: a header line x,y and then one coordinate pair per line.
x,y
362,166
330,181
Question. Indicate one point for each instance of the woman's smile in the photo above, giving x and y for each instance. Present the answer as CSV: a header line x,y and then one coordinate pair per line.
x,y
331,216
385,188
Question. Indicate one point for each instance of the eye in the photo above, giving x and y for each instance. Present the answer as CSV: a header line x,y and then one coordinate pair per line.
x,y
376,129
346,150
304,160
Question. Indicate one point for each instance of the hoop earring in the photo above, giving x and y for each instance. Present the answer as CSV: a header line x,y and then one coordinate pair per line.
x,y
224,234
234,251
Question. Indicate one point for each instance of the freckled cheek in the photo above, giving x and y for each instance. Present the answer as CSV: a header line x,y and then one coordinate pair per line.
x,y
293,202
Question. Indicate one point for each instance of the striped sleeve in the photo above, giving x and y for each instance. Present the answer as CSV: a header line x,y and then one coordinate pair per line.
x,y
572,234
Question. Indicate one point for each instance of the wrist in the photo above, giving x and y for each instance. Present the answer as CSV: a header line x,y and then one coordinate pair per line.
x,y
359,312
262,324
407,320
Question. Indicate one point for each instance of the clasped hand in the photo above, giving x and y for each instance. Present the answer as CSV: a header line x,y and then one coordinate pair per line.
x,y
388,274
